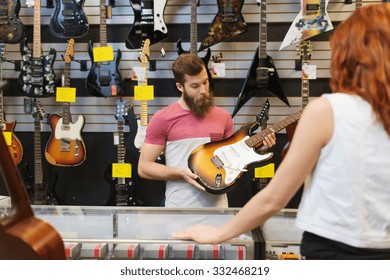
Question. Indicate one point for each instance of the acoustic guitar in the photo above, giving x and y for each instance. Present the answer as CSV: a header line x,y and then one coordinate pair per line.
x,y
22,235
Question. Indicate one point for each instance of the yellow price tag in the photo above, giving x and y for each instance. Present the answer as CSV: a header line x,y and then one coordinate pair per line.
x,y
121,170
65,94
101,54
267,171
144,92
8,137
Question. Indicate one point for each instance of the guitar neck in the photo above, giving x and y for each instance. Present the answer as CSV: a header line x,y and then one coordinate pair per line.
x,y
38,174
66,83
194,28
121,144
263,30
103,23
258,138
305,90
37,53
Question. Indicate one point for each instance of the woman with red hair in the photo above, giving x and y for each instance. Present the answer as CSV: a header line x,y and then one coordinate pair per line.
x,y
343,142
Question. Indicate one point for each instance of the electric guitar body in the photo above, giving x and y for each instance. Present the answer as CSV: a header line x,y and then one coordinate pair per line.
x,y
69,19
148,23
11,27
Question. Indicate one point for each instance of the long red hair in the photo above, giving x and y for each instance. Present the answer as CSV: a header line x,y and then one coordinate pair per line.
x,y
361,58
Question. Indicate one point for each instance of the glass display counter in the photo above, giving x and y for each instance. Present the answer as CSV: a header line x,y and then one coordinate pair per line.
x,y
91,232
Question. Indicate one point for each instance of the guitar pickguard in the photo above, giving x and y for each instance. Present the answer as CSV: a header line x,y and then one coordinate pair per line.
x,y
69,19
37,78
69,131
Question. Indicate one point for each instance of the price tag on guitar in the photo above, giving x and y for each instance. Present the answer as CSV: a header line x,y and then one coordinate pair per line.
x,y
101,54
121,170
66,94
267,171
144,92
8,137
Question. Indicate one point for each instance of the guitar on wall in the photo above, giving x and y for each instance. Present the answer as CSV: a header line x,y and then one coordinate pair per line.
x,y
22,235
41,194
313,19
305,56
69,19
104,78
37,78
148,23
66,146
11,27
15,148
262,75
124,187
219,165
227,23
194,39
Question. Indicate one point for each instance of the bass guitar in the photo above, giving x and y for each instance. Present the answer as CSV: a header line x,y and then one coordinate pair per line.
x,y
104,78
262,76
66,146
194,40
312,20
11,27
22,235
148,23
15,148
220,164
228,23
37,78
69,19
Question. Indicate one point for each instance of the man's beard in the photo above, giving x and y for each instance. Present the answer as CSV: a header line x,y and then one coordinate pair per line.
x,y
200,104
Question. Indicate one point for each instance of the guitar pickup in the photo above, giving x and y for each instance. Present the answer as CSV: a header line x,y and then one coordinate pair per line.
x,y
104,80
37,80
67,13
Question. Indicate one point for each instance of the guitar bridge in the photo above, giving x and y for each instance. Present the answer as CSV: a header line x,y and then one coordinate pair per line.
x,y
262,75
65,145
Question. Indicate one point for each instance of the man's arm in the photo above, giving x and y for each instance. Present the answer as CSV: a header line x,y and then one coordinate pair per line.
x,y
148,168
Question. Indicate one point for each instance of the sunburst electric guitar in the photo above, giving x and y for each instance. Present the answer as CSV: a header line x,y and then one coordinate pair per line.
x,y
66,146
15,148
220,164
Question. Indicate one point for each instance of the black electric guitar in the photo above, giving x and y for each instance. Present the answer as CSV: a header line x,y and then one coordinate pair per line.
x,y
15,148
220,164
69,19
148,23
262,75
66,146
37,78
11,27
104,78
124,187
194,39
227,23
41,195
312,20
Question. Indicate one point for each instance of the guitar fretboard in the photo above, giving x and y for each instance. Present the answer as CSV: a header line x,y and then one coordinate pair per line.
x,y
103,23
37,52
258,138
66,107
121,144
194,28
38,177
263,30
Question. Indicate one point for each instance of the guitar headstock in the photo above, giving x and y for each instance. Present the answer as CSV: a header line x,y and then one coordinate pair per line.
x,y
145,52
305,51
38,111
263,116
121,110
69,52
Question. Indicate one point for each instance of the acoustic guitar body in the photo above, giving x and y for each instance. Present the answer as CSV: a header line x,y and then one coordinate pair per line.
x,y
31,239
